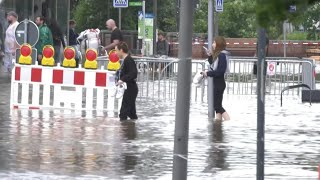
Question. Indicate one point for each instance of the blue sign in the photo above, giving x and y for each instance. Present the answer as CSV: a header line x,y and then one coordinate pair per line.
x,y
120,3
219,5
292,8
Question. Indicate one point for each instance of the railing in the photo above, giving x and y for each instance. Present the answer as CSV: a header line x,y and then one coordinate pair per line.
x,y
280,72
157,77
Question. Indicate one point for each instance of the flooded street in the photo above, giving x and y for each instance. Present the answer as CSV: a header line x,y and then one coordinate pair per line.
x,y
62,144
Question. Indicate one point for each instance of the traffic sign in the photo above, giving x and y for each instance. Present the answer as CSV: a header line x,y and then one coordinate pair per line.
x,y
219,5
292,8
27,32
271,68
120,3
137,3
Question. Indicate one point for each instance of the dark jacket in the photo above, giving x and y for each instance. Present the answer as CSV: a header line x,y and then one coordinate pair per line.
x,y
222,66
72,37
129,72
163,48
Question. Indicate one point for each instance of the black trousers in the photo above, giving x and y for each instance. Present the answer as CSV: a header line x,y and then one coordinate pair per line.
x,y
219,87
128,106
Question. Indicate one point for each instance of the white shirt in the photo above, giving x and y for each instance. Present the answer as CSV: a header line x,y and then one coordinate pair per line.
x,y
10,41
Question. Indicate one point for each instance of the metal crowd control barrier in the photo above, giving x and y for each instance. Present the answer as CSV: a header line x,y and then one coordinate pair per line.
x,y
295,86
157,78
38,87
280,73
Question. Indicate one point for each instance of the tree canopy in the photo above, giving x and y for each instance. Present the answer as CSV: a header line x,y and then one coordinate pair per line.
x,y
239,18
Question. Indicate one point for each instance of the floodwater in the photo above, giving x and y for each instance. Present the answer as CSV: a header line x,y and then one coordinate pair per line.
x,y
90,145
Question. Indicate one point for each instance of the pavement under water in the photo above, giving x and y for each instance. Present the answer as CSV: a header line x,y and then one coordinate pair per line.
x,y
62,144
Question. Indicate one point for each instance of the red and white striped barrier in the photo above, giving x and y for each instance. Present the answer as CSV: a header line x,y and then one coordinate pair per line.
x,y
37,87
254,43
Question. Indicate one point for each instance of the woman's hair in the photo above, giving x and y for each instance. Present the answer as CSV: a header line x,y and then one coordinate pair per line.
x,y
55,29
124,46
220,46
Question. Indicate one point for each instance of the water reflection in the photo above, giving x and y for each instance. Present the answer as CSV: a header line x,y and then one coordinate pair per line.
x,y
62,144
45,143
217,152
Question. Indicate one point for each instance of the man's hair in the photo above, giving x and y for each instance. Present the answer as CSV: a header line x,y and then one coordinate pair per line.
x,y
12,13
42,18
72,22
161,33
124,46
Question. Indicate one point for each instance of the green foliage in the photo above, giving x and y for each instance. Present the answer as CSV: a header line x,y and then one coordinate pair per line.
x,y
166,15
271,11
239,18
296,36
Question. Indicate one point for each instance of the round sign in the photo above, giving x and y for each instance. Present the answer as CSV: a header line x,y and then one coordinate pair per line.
x,y
27,32
271,67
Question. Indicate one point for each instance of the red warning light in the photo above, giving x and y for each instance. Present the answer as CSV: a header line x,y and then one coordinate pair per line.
x,y
48,52
69,53
113,57
25,50
91,55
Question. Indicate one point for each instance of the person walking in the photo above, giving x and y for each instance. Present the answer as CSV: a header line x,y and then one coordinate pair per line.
x,y
58,39
218,67
128,74
45,37
10,44
116,35
73,35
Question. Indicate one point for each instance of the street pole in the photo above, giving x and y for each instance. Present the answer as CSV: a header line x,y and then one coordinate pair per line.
x,y
181,133
211,113
284,39
144,28
261,103
68,19
216,24
155,25
177,14
120,18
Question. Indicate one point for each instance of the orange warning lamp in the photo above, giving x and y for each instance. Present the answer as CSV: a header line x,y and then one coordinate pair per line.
x,y
91,59
47,58
69,57
114,61
25,54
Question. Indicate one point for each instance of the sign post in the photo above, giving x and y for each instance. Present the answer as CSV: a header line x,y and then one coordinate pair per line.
x,y
219,5
136,3
145,29
27,32
120,4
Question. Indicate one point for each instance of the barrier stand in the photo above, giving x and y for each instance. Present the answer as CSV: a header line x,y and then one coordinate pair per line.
x,y
63,88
